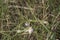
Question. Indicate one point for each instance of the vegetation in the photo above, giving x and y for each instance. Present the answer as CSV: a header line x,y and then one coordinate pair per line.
x,y
29,19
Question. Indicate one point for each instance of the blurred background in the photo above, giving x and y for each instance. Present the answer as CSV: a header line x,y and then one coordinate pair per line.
x,y
29,20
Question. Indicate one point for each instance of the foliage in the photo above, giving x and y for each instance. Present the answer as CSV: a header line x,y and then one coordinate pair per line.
x,y
42,15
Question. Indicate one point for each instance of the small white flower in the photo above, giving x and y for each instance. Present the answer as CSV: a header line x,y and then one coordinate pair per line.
x,y
27,24
18,31
57,39
29,30
45,22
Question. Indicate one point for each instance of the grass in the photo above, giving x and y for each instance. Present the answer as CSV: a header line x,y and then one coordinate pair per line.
x,y
42,15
